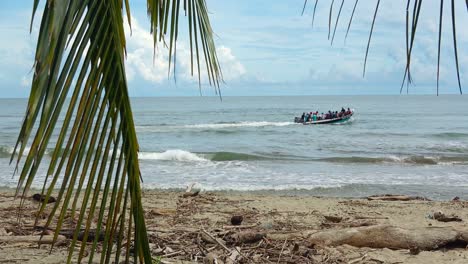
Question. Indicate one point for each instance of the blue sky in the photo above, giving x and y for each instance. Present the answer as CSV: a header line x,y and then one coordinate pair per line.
x,y
267,48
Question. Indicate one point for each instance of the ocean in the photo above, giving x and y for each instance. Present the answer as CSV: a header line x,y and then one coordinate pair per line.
x,y
409,144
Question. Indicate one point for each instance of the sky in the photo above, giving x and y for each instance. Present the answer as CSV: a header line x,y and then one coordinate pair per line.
x,y
266,47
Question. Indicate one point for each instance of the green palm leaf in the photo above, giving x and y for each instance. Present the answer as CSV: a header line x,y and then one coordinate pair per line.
x,y
94,169
410,30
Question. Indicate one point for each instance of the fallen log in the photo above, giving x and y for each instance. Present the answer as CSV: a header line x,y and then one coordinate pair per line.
x,y
393,197
385,236
30,239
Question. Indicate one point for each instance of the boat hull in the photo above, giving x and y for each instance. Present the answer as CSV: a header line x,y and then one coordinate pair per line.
x,y
326,121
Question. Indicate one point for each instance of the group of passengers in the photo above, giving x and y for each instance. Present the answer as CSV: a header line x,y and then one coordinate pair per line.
x,y
315,116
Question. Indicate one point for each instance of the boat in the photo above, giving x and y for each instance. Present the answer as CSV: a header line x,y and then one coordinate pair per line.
x,y
340,119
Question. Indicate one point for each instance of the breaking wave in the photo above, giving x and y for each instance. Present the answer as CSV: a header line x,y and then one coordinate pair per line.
x,y
173,154
186,156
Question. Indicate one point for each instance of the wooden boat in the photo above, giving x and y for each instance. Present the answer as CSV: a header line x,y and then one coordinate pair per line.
x,y
325,121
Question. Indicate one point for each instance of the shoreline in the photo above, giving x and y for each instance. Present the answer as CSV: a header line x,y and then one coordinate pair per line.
x,y
175,224
350,191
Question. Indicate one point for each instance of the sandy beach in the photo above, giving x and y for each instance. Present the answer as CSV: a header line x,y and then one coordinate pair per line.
x,y
279,228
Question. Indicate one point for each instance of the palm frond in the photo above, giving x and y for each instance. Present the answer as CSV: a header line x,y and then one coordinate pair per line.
x,y
303,8
350,20
336,22
98,121
313,15
94,168
440,40
330,18
410,35
164,17
370,36
455,45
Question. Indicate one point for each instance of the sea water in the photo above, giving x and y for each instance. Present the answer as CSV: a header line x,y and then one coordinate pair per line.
x,y
415,144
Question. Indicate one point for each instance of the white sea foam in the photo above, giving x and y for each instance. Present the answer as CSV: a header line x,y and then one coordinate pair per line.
x,y
172,154
9,150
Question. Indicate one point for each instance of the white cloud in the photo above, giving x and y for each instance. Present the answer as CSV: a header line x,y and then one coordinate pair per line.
x,y
231,67
143,63
26,81
140,61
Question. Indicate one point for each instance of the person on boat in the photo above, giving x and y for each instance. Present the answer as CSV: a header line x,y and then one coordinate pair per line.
x,y
307,117
314,117
303,116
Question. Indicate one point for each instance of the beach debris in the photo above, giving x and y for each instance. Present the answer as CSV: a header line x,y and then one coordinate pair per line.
x,y
246,237
239,226
386,236
237,220
4,232
333,218
234,257
208,239
393,197
212,258
81,235
189,193
456,199
160,212
218,241
267,225
414,250
441,217
48,232
41,198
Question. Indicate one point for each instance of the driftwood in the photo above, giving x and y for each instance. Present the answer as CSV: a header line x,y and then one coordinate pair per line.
x,y
239,226
385,236
333,218
281,236
245,237
392,197
441,217
30,239
356,223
